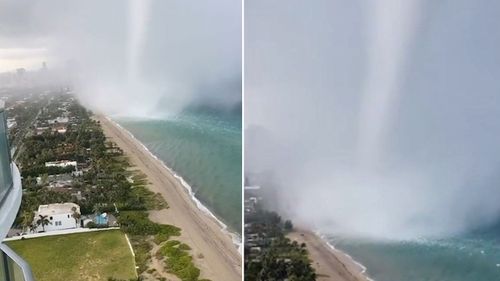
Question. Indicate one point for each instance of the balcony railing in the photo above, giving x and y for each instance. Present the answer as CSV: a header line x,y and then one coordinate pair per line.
x,y
5,161
13,267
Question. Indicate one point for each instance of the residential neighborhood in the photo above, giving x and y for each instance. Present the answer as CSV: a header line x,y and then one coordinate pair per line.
x,y
76,184
269,254
52,176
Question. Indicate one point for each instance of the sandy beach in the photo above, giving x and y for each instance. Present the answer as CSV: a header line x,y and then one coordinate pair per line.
x,y
213,250
332,265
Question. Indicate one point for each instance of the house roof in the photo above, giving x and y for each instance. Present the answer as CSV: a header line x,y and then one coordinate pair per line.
x,y
58,208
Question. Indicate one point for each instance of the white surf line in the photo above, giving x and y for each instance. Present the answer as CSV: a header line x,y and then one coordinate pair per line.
x,y
360,265
235,238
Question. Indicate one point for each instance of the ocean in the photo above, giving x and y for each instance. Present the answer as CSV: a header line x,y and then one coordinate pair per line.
x,y
474,256
203,146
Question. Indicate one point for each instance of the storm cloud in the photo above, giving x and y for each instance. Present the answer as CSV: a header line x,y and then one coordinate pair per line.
x,y
133,58
375,118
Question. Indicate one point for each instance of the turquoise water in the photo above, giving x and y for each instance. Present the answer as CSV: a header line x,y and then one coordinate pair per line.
x,y
471,257
204,147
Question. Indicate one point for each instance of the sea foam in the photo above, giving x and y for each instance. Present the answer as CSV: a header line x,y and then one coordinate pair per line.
x,y
236,238
324,238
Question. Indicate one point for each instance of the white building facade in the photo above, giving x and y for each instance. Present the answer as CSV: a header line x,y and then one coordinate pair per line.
x,y
59,216
61,164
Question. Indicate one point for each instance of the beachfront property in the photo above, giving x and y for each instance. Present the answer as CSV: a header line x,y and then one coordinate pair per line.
x,y
255,240
61,164
58,125
58,120
12,266
56,181
11,123
40,130
61,129
58,216
113,149
250,204
99,220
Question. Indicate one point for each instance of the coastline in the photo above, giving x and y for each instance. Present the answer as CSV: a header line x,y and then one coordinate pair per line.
x,y
215,249
330,263
236,237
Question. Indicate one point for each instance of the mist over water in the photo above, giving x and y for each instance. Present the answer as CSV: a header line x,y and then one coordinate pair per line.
x,y
133,58
376,120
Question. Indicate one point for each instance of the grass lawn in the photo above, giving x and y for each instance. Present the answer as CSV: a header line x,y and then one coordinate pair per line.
x,y
83,256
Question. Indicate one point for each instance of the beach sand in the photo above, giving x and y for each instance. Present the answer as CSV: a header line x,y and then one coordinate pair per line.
x,y
213,250
330,264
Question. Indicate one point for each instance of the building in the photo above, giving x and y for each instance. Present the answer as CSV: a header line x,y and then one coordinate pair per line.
x,y
61,164
100,220
58,120
55,181
61,129
11,123
20,72
41,130
59,216
12,266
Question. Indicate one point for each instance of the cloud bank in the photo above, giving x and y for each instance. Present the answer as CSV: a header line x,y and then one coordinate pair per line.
x,y
134,58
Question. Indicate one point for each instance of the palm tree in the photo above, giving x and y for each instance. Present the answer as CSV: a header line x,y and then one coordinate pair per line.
x,y
44,179
33,227
76,215
43,221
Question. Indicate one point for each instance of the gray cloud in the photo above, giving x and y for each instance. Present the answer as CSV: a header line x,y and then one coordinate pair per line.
x,y
181,47
316,76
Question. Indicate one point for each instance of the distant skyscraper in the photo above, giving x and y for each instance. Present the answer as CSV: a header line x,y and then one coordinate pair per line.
x,y
20,72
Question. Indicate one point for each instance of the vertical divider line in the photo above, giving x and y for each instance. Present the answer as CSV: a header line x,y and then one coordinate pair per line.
x,y
242,140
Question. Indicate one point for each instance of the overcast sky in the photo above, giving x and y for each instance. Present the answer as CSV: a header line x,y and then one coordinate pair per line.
x,y
376,118
167,52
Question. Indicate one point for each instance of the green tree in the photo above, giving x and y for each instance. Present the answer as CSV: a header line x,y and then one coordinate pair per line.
x,y
43,221
45,179
32,228
76,215
26,219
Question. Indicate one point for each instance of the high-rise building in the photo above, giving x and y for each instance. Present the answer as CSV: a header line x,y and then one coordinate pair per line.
x,y
12,266
20,72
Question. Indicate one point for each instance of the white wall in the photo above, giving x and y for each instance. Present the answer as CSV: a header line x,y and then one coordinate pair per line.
x,y
59,222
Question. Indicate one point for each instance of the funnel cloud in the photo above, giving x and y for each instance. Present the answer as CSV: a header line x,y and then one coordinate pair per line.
x,y
377,119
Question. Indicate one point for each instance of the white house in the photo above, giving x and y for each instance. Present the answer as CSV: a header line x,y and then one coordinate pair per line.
x,y
62,163
61,129
60,216
60,120
11,122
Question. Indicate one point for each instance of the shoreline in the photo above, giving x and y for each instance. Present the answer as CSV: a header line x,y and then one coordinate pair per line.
x,y
357,263
330,263
216,250
236,237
